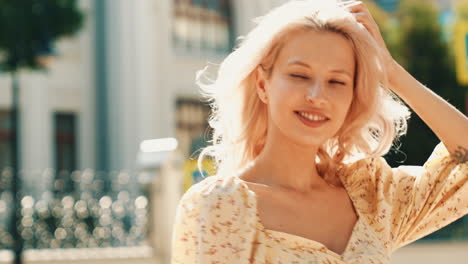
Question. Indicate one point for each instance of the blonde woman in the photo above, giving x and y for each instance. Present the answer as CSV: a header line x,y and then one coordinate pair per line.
x,y
303,110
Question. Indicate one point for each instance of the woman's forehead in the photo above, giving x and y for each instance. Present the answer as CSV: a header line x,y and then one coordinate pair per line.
x,y
314,48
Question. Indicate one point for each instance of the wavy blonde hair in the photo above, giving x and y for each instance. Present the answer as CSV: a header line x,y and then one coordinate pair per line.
x,y
239,118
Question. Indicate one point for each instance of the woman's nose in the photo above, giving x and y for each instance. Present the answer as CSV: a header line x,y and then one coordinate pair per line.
x,y
315,92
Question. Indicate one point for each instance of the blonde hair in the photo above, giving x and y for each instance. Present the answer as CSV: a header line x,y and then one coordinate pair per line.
x,y
239,118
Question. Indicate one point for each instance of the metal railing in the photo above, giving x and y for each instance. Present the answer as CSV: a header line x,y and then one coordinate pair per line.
x,y
81,209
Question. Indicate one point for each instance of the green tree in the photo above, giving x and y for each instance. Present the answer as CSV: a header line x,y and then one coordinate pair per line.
x,y
28,29
428,58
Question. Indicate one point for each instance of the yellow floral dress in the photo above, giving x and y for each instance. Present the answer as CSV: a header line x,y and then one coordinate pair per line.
x,y
217,220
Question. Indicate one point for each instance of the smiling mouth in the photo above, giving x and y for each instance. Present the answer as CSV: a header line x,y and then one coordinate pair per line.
x,y
311,120
312,117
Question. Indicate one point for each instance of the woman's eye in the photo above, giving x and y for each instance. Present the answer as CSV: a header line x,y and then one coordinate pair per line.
x,y
303,77
338,82
299,76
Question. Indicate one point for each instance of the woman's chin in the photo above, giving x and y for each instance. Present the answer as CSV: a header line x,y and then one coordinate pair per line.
x,y
309,142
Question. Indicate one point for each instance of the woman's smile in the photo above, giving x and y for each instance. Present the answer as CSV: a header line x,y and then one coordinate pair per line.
x,y
311,119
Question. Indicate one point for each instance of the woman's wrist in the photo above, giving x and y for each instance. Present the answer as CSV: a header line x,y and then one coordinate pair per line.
x,y
395,73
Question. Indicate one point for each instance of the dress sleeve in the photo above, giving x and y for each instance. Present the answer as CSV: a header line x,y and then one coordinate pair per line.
x,y
407,203
214,224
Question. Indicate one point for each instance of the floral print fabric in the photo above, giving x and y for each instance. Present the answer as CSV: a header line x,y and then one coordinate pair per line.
x,y
217,220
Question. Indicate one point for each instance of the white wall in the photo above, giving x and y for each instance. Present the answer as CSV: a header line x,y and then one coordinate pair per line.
x,y
130,255
87,116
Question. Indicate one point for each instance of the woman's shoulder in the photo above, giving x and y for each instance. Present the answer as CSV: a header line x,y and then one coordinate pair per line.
x,y
363,169
214,191
215,184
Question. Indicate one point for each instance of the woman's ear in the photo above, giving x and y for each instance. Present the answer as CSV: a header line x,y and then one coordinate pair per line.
x,y
261,84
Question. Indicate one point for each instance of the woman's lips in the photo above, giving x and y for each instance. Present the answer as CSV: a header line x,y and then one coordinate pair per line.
x,y
311,123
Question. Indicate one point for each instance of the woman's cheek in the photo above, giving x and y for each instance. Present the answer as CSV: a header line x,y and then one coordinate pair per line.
x,y
347,96
282,89
290,87
344,100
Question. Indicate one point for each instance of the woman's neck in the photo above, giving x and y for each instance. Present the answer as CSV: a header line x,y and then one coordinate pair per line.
x,y
287,165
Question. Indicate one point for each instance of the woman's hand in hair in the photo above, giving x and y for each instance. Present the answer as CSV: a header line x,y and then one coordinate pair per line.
x,y
364,17
447,122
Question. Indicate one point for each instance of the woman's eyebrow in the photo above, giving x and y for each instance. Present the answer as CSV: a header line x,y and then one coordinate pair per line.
x,y
297,62
343,72
301,63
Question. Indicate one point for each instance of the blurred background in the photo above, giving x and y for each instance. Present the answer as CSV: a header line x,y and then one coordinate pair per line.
x,y
101,120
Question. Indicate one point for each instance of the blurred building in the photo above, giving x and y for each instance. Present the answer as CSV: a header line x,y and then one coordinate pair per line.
x,y
129,75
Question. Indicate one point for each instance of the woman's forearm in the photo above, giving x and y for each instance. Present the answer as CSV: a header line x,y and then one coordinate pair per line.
x,y
448,123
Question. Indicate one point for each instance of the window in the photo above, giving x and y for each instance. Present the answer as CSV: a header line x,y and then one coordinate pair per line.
x,y
65,142
202,26
6,139
6,178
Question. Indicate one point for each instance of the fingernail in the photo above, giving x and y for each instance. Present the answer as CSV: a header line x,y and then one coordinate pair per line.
x,y
353,3
350,2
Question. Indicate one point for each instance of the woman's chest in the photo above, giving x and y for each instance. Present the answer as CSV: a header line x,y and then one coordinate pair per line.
x,y
328,218
277,247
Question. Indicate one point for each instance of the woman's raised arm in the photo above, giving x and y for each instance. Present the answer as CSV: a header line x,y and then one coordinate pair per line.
x,y
448,123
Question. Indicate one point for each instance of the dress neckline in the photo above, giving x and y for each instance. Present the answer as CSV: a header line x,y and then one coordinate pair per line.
x,y
309,242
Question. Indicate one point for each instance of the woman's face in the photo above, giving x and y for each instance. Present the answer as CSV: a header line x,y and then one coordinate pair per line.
x,y
311,87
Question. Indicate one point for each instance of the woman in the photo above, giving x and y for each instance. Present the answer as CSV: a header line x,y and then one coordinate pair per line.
x,y
303,110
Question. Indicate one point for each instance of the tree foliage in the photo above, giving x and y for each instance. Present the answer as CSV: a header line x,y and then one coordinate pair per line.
x,y
28,29
418,46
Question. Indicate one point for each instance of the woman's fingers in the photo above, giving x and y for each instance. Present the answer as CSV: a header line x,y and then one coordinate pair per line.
x,y
363,18
355,6
348,1
362,14
349,4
